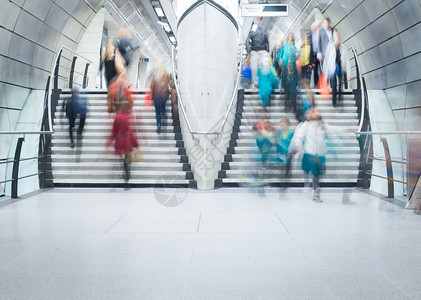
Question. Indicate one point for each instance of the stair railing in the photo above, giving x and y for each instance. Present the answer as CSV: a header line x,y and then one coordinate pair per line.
x,y
360,87
388,159
217,132
52,93
62,73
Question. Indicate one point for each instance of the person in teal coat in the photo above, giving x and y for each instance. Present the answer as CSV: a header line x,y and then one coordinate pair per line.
x,y
287,58
268,80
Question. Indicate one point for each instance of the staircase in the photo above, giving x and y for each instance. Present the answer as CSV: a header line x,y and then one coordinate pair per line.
x,y
241,165
163,163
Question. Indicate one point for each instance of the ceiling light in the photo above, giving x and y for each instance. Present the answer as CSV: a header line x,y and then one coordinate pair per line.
x,y
173,40
159,11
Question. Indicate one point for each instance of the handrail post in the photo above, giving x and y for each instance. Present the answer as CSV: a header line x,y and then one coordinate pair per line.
x,y
85,76
72,71
15,171
56,70
389,169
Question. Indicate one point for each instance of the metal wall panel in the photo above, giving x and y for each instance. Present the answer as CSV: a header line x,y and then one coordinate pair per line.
x,y
348,5
322,4
391,50
367,38
38,78
413,92
372,59
67,5
9,13
18,2
5,37
395,74
397,96
345,29
375,80
42,58
48,37
413,64
412,119
38,8
385,27
2,97
72,29
335,13
407,14
392,3
65,41
21,49
18,73
28,26
57,18
375,8
82,12
411,42
359,18
3,64
16,96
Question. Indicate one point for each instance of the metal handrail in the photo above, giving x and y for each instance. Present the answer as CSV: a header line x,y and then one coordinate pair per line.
x,y
360,78
26,132
387,132
50,120
217,132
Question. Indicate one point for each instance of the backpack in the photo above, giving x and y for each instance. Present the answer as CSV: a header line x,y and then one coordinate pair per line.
x,y
80,105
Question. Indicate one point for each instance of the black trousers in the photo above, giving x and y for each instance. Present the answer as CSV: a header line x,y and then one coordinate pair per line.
x,y
336,81
316,73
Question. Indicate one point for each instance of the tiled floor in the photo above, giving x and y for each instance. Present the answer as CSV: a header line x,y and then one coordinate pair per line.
x,y
225,244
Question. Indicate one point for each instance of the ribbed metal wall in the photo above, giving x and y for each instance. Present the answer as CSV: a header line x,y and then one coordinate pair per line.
x,y
31,32
386,35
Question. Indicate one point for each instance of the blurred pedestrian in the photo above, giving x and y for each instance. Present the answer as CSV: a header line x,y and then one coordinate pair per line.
x,y
124,137
315,47
161,86
307,100
75,106
246,77
313,135
274,56
108,61
119,91
124,44
307,58
325,37
267,81
262,130
285,137
287,57
336,64
257,45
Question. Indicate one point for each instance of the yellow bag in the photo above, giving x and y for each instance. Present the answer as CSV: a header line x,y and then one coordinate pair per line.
x,y
134,155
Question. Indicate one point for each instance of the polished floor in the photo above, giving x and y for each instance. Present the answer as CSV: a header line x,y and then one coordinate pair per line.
x,y
224,244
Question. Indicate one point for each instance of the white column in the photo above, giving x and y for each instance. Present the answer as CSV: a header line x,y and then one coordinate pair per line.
x,y
207,66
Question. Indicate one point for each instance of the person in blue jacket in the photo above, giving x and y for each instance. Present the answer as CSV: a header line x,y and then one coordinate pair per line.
x,y
267,81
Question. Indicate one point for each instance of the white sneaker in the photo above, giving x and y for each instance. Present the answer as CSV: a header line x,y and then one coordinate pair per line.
x,y
316,197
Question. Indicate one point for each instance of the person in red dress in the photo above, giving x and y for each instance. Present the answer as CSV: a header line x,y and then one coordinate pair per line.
x,y
124,136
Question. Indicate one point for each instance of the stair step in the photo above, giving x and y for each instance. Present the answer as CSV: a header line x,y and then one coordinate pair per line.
x,y
118,165
236,165
94,149
243,180
141,181
106,157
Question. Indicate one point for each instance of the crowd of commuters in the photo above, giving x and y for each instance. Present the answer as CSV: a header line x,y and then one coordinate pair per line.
x,y
291,69
124,135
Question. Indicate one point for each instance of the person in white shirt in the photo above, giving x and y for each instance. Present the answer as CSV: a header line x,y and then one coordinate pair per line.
x,y
310,138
